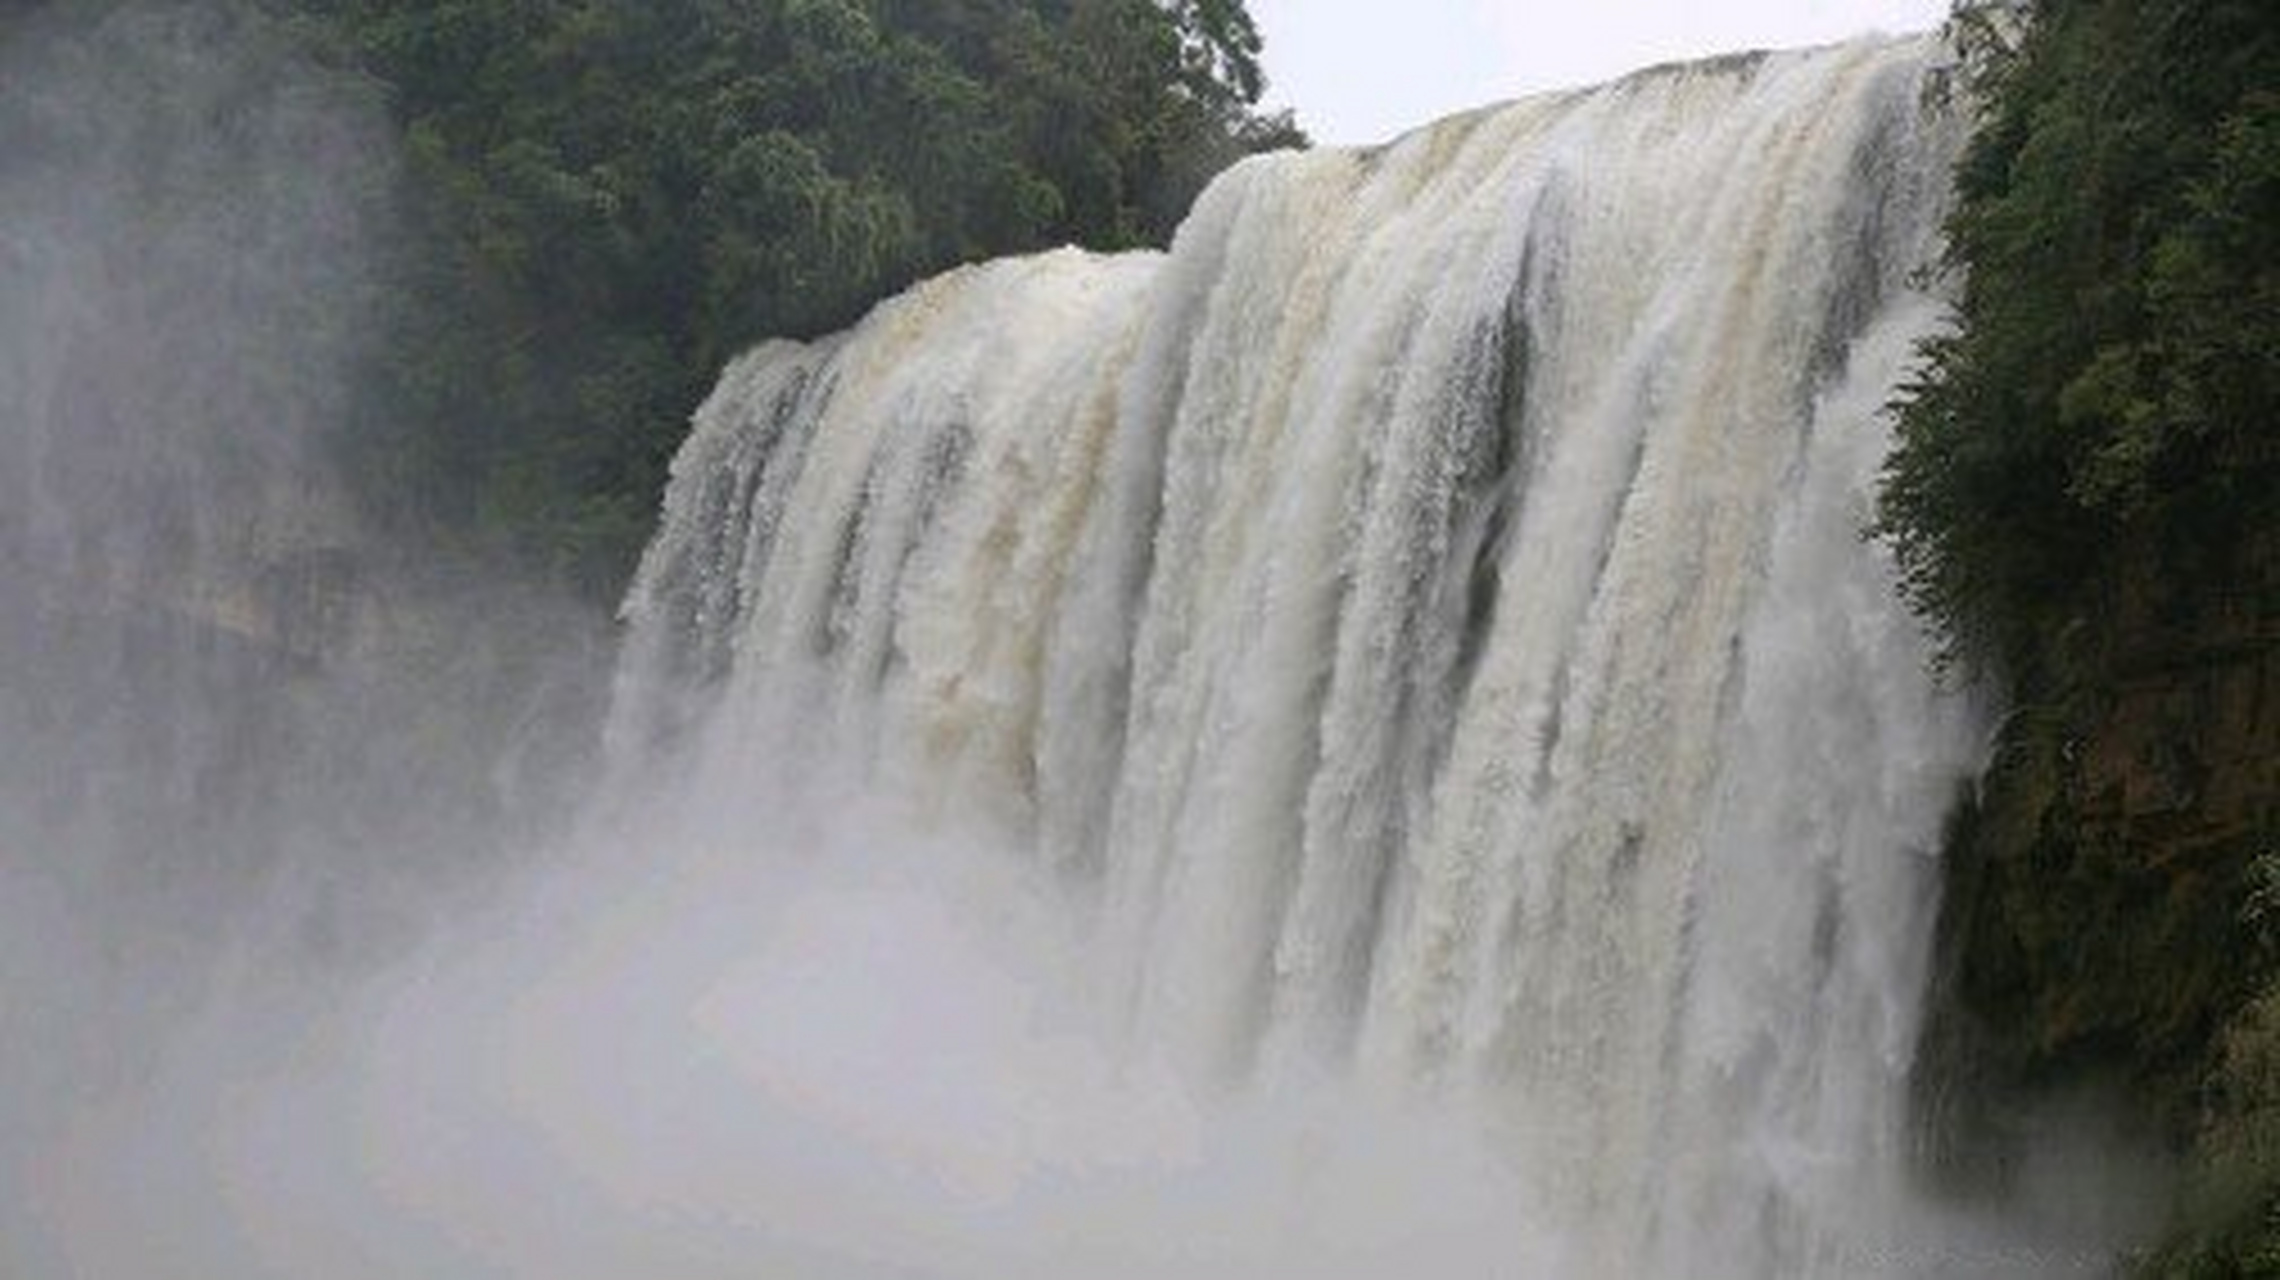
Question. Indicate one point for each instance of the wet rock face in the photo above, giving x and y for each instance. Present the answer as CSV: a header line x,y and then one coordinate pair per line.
x,y
2103,916
2187,755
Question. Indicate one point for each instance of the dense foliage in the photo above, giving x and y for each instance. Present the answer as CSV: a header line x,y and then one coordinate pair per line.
x,y
609,197
2116,372
2084,498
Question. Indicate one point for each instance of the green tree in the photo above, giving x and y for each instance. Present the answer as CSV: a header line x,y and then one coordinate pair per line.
x,y
2113,378
2083,498
611,197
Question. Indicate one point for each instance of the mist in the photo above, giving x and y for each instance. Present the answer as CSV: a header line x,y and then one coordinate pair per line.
x,y
240,730
184,212
832,1051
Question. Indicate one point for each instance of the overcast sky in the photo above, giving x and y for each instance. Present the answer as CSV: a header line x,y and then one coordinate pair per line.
x,y
1364,70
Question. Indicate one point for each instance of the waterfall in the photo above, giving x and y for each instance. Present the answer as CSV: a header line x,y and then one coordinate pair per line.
x,y
1423,620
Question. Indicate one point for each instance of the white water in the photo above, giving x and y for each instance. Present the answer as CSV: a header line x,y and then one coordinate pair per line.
x,y
1424,624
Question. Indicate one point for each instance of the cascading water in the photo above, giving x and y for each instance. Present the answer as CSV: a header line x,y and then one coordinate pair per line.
x,y
1425,620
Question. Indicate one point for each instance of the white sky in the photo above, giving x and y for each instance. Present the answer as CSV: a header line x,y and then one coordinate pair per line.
x,y
1364,70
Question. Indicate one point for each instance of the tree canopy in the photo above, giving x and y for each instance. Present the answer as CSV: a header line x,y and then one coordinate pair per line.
x,y
610,197
2115,370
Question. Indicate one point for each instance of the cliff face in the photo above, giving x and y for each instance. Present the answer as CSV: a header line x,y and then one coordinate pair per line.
x,y
2113,906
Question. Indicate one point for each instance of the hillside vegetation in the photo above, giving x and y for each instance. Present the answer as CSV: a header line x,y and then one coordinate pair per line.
x,y
2084,500
605,199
